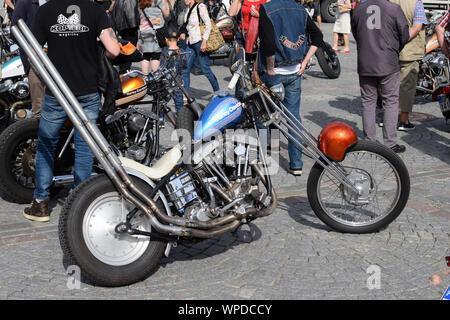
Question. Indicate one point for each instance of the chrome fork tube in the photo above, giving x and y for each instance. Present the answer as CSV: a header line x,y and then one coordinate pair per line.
x,y
293,124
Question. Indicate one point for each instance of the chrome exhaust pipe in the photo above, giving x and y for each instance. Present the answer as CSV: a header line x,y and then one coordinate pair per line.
x,y
88,130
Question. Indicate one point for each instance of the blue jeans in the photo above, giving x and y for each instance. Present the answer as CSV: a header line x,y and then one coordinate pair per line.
x,y
293,87
52,119
178,99
203,58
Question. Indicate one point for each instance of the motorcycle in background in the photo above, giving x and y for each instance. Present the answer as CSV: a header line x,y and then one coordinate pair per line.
x,y
226,25
434,68
15,103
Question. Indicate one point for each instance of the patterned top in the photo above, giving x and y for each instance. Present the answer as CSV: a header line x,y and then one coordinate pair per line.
x,y
193,25
419,13
445,20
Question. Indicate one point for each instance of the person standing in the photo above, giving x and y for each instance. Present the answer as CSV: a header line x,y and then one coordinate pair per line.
x,y
26,10
70,29
410,57
342,24
285,60
151,19
381,31
196,41
126,19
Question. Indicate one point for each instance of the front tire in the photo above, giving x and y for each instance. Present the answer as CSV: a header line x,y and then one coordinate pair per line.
x,y
374,169
88,238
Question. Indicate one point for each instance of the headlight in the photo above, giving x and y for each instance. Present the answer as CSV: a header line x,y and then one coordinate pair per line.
x,y
278,90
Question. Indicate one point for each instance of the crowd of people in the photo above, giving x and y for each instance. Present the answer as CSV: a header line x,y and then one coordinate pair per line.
x,y
389,42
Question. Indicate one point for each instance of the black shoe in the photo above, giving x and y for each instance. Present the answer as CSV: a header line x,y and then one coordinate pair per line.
x,y
38,211
398,148
405,126
197,73
295,172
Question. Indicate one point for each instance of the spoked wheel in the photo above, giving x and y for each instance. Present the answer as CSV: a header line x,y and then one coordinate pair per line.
x,y
88,235
383,181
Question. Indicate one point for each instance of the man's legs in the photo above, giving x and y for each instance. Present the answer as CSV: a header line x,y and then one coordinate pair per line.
x,y
50,123
409,71
369,93
293,90
389,90
83,155
37,88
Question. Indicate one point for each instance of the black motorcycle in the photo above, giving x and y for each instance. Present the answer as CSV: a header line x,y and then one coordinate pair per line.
x,y
132,129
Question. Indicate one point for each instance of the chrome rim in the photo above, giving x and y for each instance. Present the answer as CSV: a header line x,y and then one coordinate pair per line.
x,y
108,246
374,176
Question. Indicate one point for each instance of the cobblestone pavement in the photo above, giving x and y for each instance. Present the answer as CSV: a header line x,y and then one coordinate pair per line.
x,y
292,255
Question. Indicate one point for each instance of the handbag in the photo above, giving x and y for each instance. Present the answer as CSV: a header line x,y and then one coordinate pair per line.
x,y
215,40
160,33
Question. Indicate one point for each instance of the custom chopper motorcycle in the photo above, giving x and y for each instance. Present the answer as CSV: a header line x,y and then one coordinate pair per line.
x,y
117,225
132,129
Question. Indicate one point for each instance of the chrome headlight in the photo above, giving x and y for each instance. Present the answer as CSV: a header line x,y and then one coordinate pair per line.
x,y
279,91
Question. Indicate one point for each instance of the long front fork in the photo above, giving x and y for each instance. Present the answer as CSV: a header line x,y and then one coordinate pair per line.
x,y
285,121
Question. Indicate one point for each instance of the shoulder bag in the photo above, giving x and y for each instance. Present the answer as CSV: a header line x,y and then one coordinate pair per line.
x,y
160,33
215,40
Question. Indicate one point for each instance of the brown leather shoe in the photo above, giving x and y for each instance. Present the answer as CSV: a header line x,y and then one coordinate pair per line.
x,y
37,211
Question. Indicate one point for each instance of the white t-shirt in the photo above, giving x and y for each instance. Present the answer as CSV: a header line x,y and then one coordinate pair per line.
x,y
287,70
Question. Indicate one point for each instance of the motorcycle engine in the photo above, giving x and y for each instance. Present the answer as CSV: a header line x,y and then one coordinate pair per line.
x,y
20,89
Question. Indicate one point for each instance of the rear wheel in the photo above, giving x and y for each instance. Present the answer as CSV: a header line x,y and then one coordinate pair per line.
x,y
328,61
17,155
89,240
328,10
379,174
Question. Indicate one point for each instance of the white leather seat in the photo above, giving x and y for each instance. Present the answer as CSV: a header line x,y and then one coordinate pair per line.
x,y
161,168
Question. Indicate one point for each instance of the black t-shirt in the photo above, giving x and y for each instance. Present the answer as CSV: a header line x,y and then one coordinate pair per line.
x,y
70,28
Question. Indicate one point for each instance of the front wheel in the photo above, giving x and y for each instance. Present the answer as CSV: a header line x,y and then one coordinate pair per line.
x,y
88,237
383,181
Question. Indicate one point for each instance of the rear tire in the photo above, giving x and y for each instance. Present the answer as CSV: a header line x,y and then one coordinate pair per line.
x,y
88,239
18,142
327,10
335,208
328,61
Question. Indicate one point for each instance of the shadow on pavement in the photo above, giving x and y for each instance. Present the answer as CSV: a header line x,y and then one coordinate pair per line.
x,y
300,211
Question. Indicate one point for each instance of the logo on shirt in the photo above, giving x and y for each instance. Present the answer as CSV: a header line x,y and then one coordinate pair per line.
x,y
70,26
291,45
